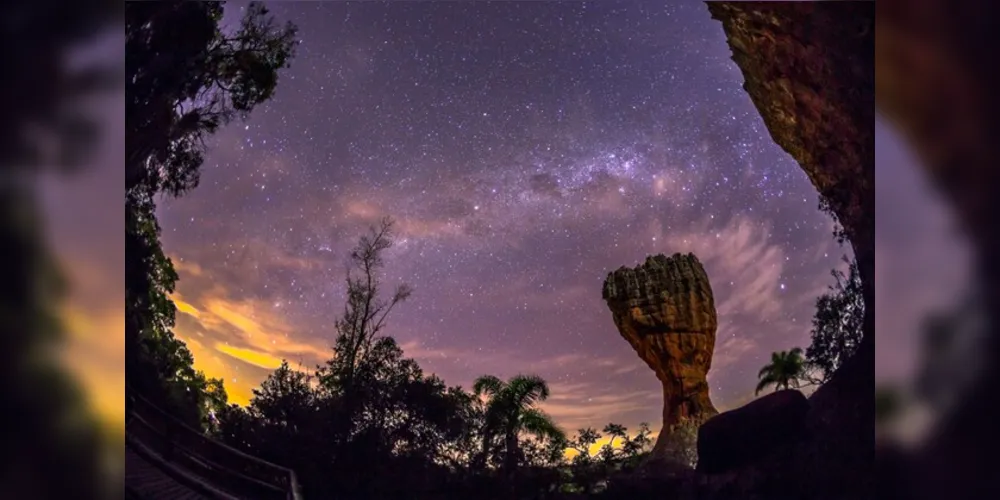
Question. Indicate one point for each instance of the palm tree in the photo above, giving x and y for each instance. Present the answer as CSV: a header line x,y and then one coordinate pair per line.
x,y
510,411
784,371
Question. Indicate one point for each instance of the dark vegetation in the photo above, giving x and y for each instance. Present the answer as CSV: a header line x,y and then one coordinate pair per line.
x,y
369,423
53,447
185,78
837,330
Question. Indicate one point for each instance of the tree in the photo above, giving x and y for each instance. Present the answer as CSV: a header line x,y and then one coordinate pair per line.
x,y
637,445
368,412
361,352
283,398
786,370
838,323
160,366
185,78
613,431
510,411
588,471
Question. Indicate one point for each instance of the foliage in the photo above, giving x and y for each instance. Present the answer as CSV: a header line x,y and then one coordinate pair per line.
x,y
369,423
161,365
185,78
839,233
511,411
786,370
589,471
838,323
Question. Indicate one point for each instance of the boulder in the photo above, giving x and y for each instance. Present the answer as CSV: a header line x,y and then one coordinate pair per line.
x,y
748,434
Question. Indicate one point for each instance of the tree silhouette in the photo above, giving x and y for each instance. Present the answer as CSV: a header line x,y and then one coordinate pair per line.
x,y
184,78
510,411
837,324
786,370
361,353
367,413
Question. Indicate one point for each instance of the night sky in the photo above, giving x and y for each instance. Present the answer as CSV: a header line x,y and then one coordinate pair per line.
x,y
525,150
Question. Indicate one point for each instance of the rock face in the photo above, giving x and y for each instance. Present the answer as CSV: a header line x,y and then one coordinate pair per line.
x,y
665,309
809,70
752,432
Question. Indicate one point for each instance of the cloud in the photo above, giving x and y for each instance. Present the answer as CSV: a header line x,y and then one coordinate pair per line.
x,y
250,326
577,405
184,307
729,350
240,340
256,358
745,268
187,267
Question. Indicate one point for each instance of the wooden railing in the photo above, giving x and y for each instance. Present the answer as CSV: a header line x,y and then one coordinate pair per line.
x,y
222,468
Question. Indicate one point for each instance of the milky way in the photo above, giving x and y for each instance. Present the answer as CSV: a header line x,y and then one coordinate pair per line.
x,y
525,150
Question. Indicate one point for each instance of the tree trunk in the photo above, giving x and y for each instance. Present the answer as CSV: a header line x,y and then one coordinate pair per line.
x,y
510,462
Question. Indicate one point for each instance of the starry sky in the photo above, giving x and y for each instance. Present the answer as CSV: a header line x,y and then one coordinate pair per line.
x,y
525,149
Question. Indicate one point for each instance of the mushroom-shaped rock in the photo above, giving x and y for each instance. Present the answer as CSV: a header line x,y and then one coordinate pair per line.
x,y
665,309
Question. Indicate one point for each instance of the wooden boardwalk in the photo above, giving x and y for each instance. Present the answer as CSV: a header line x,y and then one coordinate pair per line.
x,y
166,460
148,482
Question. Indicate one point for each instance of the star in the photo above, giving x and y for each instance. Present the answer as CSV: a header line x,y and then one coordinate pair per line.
x,y
520,159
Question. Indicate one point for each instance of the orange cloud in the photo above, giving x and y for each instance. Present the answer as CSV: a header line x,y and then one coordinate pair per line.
x,y
239,387
184,307
238,340
261,329
185,267
256,358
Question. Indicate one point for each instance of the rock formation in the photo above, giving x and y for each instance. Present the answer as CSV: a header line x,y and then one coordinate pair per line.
x,y
809,70
752,432
664,308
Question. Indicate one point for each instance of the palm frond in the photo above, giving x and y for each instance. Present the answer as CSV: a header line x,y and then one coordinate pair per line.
x,y
764,382
488,385
539,424
526,390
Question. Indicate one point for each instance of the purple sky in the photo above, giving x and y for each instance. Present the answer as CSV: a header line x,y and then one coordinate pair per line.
x,y
525,150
